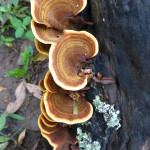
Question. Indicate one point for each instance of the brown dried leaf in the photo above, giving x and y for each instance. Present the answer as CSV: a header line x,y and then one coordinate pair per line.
x,y
34,89
2,88
21,136
12,107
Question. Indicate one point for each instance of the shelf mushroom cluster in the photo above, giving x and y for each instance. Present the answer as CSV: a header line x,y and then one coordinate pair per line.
x,y
69,54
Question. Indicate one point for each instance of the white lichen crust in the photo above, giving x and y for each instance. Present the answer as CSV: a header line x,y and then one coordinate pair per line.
x,y
110,114
85,141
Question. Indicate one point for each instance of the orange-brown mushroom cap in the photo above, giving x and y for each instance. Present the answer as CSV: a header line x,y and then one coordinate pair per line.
x,y
47,122
44,34
61,139
46,129
42,48
55,13
41,86
65,58
44,111
60,108
51,86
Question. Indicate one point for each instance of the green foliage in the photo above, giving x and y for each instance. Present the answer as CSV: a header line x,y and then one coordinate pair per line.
x,y
15,2
110,114
4,139
26,55
18,17
16,116
2,120
85,141
6,41
17,73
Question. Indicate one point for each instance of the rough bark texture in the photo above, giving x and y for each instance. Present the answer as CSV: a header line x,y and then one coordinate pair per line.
x,y
122,28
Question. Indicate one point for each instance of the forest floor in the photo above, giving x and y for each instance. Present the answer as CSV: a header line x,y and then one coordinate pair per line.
x,y
30,109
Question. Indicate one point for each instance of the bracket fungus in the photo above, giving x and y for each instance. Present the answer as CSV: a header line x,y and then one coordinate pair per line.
x,y
62,108
56,13
44,128
44,111
62,139
47,122
44,34
65,58
42,48
51,86
41,86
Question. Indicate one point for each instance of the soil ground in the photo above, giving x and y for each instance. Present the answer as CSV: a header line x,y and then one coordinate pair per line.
x,y
30,108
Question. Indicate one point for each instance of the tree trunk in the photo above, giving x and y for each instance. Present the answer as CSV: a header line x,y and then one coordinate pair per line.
x,y
122,28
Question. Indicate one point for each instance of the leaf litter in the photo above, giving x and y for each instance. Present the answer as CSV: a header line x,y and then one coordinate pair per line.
x,y
34,89
20,93
21,136
2,89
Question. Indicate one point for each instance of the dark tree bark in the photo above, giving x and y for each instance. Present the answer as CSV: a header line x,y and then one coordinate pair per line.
x,y
122,28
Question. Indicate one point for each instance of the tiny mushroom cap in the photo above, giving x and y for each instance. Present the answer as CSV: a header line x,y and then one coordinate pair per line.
x,y
42,48
61,108
44,111
51,86
47,122
56,13
65,58
46,129
62,139
44,34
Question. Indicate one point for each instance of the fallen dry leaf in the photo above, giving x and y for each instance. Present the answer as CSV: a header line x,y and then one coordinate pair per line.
x,y
40,57
12,107
21,136
34,89
2,88
3,146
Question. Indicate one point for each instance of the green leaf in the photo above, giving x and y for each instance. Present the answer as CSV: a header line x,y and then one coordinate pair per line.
x,y
3,146
9,39
29,35
19,32
15,2
24,54
22,9
9,16
9,44
26,20
30,50
16,23
28,78
2,38
2,120
21,16
26,63
16,116
4,9
4,139
15,73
